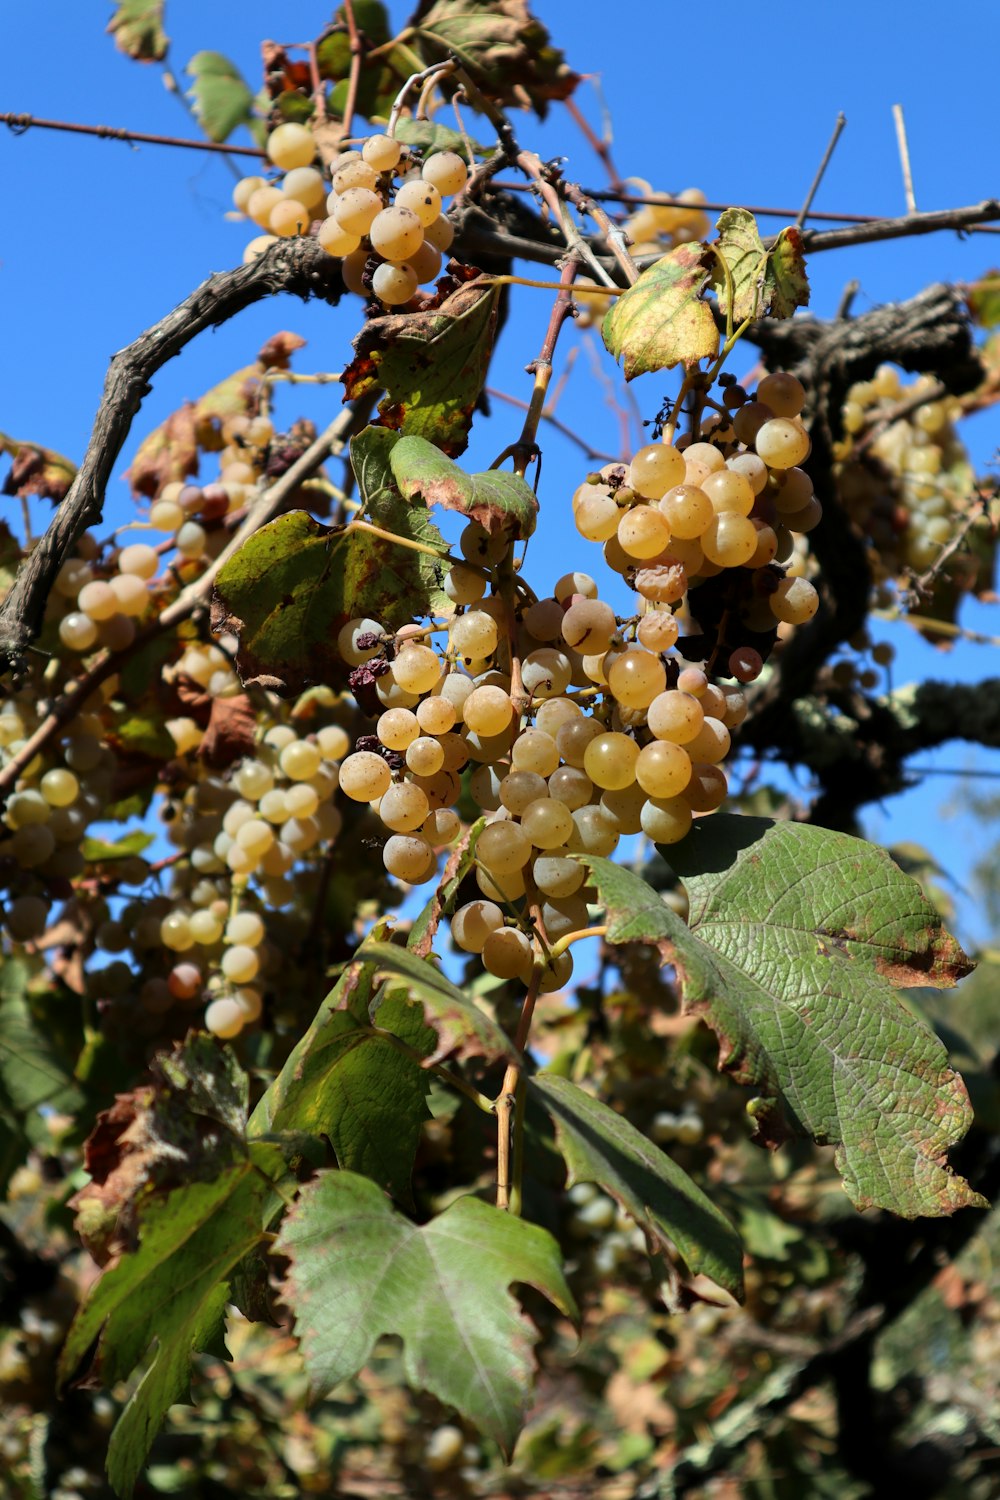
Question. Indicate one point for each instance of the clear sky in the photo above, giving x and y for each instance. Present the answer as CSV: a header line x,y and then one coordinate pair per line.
x,y
98,240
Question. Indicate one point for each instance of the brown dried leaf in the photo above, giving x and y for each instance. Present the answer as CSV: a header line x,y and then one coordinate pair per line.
x,y
169,453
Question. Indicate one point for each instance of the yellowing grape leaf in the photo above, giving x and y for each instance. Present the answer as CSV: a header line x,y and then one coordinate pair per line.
x,y
601,1146
137,27
785,277
170,1292
222,100
292,585
664,320
764,282
358,1271
497,499
983,297
505,48
432,364
795,938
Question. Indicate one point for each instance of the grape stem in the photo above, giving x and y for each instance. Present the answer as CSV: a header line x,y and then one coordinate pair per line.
x,y
509,1108
561,944
353,78
400,541
547,189
452,1079
436,71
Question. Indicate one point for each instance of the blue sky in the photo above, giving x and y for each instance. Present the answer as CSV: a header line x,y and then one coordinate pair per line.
x,y
98,239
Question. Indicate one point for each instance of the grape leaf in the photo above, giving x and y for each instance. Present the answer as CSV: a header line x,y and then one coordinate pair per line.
x,y
291,586
785,277
137,27
432,364
222,100
462,1027
764,282
428,137
795,937
601,1146
983,297
358,1270
663,320
167,455
171,1290
94,849
495,499
460,861
348,1081
501,44
32,1074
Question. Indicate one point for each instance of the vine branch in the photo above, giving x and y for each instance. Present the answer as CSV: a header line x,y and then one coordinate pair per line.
x,y
299,266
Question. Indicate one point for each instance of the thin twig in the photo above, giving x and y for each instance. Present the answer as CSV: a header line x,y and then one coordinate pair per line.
x,y
601,146
556,422
613,233
354,76
821,169
904,157
436,70
19,123
300,266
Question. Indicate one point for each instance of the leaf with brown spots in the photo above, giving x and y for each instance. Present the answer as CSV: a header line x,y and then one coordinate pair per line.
x,y
793,938
765,283
497,499
460,861
432,364
506,49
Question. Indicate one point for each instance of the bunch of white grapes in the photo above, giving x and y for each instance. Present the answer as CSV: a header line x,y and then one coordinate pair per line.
x,y
380,212
904,477
735,498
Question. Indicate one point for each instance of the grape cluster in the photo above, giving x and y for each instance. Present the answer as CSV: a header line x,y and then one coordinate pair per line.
x,y
903,474
380,211
568,726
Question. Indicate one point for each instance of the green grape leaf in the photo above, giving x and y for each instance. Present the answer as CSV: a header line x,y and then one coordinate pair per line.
x,y
36,471
129,844
32,1073
795,938
347,1080
431,364
502,45
291,586
172,1292
358,1271
664,320
137,27
601,1146
222,100
428,136
463,1029
496,499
